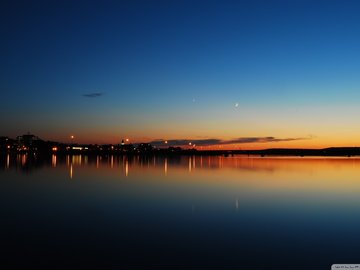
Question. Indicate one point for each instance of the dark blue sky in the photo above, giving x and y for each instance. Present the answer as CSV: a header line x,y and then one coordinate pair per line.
x,y
176,69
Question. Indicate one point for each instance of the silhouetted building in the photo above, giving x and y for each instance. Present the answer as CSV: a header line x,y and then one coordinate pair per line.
x,y
126,147
174,149
28,142
144,147
4,140
6,144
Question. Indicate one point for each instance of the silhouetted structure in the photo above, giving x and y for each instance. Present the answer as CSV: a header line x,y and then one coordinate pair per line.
x,y
28,142
31,143
144,148
174,149
126,148
6,144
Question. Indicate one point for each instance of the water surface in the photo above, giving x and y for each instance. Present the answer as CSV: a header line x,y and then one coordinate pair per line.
x,y
196,212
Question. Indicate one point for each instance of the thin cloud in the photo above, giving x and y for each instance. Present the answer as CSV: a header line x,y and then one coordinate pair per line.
x,y
261,140
209,142
203,142
93,95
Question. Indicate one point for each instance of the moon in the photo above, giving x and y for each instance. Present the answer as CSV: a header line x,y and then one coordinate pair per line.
x,y
236,105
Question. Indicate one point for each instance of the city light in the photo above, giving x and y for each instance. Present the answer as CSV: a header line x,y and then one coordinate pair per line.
x,y
54,149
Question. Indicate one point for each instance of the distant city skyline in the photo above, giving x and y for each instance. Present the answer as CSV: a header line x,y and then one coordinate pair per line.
x,y
188,143
239,74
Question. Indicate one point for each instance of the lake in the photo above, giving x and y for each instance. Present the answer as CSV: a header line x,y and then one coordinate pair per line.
x,y
184,212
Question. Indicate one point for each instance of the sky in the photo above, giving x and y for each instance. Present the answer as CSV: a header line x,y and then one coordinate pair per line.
x,y
222,74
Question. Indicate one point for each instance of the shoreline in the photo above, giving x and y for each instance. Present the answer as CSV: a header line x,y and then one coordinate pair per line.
x,y
326,152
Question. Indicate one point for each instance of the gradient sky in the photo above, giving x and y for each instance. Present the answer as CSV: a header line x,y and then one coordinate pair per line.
x,y
176,70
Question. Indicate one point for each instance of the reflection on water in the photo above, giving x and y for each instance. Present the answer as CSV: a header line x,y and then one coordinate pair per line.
x,y
190,163
7,161
292,174
53,160
126,168
196,211
71,171
306,176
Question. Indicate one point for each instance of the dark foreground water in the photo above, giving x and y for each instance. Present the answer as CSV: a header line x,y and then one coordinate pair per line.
x,y
112,212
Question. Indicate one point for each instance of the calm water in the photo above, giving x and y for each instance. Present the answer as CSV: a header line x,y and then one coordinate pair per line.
x,y
179,212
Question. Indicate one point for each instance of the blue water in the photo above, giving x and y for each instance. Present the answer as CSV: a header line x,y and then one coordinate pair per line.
x,y
179,212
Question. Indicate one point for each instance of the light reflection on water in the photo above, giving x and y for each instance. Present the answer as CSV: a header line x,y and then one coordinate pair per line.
x,y
233,209
315,178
